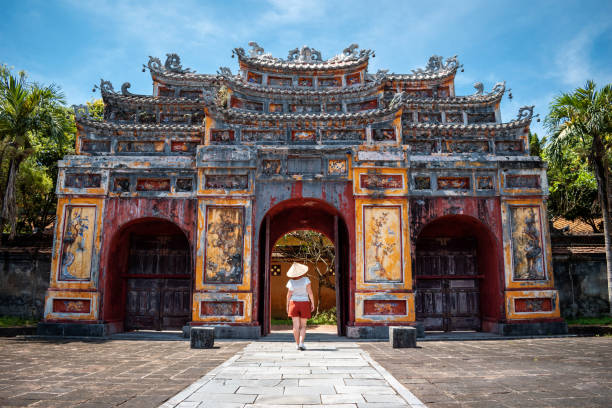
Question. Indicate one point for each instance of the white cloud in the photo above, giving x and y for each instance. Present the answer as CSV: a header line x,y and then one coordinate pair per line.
x,y
573,60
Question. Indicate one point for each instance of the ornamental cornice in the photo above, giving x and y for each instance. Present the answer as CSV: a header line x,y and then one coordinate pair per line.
x,y
145,127
303,59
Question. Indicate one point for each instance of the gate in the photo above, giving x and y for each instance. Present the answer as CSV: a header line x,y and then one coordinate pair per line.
x,y
158,282
447,284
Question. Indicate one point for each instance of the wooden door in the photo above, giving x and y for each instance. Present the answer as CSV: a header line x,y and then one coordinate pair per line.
x,y
158,282
447,284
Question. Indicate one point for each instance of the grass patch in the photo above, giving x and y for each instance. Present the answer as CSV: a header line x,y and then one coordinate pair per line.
x,y
601,320
11,321
323,317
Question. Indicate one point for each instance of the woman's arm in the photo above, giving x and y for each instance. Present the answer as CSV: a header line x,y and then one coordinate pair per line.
x,y
310,296
289,293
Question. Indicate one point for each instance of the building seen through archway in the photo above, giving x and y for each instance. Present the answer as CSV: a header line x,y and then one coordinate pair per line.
x,y
170,208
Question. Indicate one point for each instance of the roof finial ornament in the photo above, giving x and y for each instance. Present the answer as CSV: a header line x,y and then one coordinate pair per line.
x,y
350,53
124,89
225,72
173,64
105,87
305,54
81,112
479,88
436,63
398,99
257,52
526,112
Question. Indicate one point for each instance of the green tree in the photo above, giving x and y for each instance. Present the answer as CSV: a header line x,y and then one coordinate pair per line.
x,y
27,111
582,122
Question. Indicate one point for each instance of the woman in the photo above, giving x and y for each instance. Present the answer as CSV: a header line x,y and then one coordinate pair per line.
x,y
299,295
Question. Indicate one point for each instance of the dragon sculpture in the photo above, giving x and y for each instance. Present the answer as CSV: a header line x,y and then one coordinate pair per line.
x,y
436,63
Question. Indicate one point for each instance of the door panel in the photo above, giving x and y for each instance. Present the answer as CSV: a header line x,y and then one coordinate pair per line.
x,y
158,283
447,297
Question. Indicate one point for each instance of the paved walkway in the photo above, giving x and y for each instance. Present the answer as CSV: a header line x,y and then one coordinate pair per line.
x,y
276,375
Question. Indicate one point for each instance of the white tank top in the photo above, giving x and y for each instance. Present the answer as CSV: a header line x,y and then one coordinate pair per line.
x,y
298,286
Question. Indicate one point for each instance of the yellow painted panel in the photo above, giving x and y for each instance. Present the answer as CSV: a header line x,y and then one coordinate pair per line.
x,y
383,246
77,243
526,240
390,182
223,249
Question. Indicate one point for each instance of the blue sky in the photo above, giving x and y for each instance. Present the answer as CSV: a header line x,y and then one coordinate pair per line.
x,y
540,48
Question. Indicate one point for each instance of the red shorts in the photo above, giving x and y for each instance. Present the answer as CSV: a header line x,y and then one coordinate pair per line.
x,y
299,309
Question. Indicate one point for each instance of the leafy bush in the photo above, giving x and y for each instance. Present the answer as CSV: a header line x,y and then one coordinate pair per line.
x,y
10,321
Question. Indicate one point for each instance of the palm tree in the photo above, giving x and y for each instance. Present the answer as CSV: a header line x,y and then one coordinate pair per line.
x,y
582,121
26,111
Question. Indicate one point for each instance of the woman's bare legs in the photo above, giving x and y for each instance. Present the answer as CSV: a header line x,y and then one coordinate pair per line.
x,y
303,322
296,329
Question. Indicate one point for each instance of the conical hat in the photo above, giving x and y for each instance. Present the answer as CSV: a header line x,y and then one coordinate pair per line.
x,y
296,270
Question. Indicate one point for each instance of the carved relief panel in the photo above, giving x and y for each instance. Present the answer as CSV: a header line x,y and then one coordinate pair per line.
x,y
77,243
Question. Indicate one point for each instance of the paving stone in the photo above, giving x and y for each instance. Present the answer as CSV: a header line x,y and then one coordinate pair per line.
x,y
364,389
320,389
261,390
342,398
288,399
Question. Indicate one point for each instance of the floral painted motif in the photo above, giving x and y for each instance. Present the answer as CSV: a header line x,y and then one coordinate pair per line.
x,y
382,227
77,243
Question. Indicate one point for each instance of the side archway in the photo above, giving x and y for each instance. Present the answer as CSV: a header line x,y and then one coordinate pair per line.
x,y
149,276
458,279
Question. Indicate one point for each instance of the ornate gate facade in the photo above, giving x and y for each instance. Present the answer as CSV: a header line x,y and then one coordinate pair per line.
x,y
386,155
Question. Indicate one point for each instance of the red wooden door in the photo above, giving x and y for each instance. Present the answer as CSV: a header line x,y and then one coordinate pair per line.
x,y
158,282
447,284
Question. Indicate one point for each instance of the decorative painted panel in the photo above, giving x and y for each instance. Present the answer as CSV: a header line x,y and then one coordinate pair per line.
x,y
522,181
253,78
140,147
381,181
271,167
422,183
532,304
71,306
179,146
79,231
383,260
388,307
95,146
221,135
222,307
276,107
527,249
383,135
304,81
303,135
343,134
279,81
153,184
384,307
226,182
353,79
269,135
453,183
484,183
327,82
82,180
224,243
509,147
383,248
337,167
304,165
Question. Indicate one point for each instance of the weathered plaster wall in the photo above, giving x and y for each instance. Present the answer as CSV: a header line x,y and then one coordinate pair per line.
x,y
24,278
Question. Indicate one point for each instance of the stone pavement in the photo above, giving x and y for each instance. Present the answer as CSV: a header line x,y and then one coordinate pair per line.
x,y
275,374
538,372
103,373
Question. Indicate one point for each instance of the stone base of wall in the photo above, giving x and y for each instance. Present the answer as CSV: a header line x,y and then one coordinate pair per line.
x,y
377,332
231,332
73,329
530,329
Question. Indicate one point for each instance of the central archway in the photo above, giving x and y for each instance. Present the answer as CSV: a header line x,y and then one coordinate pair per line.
x,y
304,214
